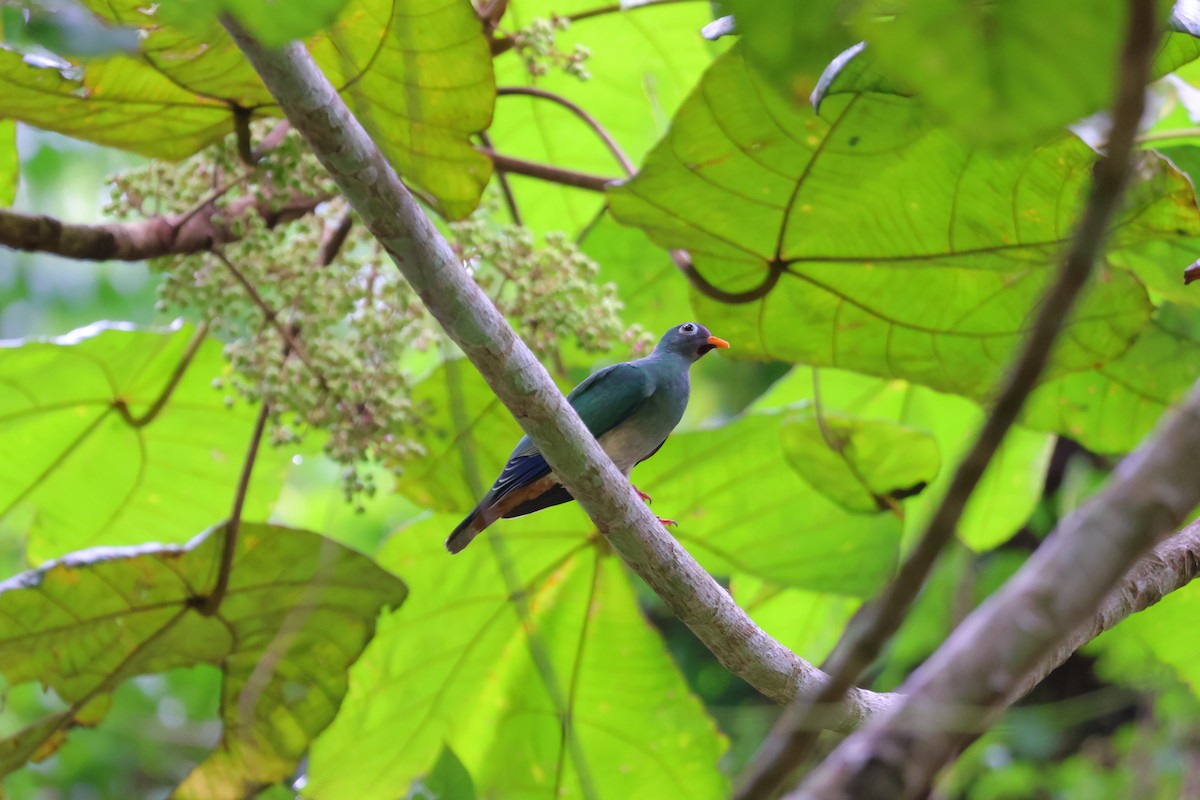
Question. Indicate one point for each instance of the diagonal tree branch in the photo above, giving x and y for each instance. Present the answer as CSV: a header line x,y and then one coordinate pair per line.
x,y
519,380
864,638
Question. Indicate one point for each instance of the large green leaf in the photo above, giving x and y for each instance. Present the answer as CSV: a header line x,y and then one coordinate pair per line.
x,y
573,696
9,162
643,59
185,89
900,250
863,465
1011,485
102,442
1109,409
742,509
298,611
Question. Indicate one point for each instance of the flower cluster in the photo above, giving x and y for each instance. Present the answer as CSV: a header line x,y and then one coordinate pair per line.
x,y
537,46
331,340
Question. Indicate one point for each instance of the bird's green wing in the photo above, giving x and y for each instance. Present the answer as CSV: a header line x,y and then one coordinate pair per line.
x,y
604,400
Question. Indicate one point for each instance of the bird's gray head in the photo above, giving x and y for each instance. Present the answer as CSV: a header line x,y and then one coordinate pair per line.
x,y
690,340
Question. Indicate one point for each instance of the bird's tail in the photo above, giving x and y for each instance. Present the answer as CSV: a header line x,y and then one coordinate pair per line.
x,y
474,524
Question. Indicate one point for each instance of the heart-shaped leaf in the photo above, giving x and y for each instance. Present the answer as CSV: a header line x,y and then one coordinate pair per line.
x,y
298,611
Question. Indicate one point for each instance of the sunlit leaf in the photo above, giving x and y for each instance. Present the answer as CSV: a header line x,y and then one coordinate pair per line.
x,y
9,162
807,623
863,465
85,442
900,251
1011,485
643,61
298,612
742,508
187,88
538,709
1111,408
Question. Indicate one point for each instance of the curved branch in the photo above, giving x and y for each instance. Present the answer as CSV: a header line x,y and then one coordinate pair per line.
x,y
683,261
546,172
588,119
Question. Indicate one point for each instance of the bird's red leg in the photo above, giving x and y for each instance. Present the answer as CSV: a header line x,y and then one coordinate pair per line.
x,y
667,522
645,498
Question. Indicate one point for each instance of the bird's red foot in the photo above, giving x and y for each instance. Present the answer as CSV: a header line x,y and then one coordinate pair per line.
x,y
645,498
668,522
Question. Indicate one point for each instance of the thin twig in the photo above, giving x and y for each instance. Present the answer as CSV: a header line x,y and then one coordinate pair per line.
x,y
683,262
160,402
510,199
269,142
547,172
211,603
333,239
588,119
285,331
863,640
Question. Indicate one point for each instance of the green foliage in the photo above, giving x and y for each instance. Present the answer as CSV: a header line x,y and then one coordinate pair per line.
x,y
851,206
189,88
298,611
645,63
529,657
900,254
115,436
9,162
1011,485
448,780
862,465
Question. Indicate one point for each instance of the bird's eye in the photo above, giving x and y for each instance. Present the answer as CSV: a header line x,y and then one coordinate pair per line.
x,y
688,328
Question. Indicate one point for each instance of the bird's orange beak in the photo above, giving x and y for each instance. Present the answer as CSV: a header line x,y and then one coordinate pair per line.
x,y
719,343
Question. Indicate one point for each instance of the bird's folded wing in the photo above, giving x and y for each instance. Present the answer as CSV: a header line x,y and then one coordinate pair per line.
x,y
603,401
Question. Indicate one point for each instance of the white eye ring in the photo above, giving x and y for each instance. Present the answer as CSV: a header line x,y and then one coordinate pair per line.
x,y
687,327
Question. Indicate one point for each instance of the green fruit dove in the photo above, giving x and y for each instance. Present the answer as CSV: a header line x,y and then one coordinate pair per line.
x,y
630,408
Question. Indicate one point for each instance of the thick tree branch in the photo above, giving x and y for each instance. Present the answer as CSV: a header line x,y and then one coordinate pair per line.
x,y
1042,614
149,238
523,385
865,636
